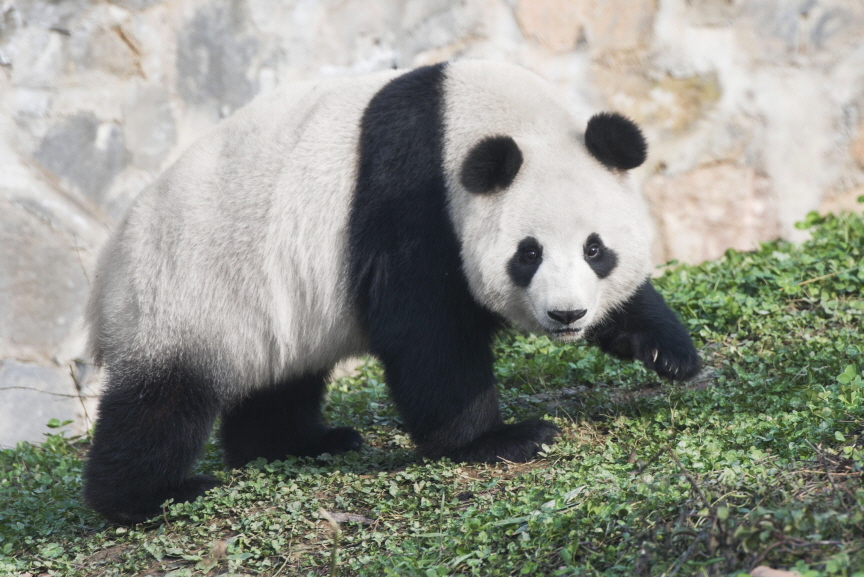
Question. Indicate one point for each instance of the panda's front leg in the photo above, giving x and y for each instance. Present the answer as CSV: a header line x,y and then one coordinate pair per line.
x,y
444,388
646,329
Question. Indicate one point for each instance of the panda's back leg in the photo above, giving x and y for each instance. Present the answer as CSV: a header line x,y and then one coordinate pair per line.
x,y
154,419
281,420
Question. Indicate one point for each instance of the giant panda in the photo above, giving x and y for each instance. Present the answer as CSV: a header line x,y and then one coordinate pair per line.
x,y
409,215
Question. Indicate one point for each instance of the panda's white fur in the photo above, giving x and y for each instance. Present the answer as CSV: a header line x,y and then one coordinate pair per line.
x,y
333,218
240,246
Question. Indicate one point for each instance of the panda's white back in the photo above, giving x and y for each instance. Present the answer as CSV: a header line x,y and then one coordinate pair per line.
x,y
238,250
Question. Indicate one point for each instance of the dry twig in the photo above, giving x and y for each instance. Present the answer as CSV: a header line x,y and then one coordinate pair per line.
x,y
337,531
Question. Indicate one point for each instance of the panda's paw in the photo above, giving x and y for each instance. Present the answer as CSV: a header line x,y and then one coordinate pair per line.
x,y
194,487
340,440
671,355
517,443
129,506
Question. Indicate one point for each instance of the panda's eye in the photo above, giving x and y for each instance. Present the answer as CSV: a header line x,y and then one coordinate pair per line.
x,y
593,251
525,262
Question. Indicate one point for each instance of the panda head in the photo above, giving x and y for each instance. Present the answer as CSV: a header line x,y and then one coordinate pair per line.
x,y
552,237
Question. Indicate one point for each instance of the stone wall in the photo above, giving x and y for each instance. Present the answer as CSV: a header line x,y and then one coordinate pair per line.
x,y
754,110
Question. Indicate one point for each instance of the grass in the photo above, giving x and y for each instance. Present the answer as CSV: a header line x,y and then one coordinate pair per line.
x,y
758,461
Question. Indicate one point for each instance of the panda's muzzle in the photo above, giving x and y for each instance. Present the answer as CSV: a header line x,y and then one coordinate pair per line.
x,y
566,318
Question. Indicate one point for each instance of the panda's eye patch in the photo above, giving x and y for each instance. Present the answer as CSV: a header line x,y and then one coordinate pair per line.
x,y
599,257
525,262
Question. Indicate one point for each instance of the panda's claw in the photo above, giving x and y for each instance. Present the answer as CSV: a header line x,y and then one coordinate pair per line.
x,y
675,359
340,440
517,443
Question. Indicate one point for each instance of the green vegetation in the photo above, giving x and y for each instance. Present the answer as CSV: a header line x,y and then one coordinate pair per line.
x,y
759,460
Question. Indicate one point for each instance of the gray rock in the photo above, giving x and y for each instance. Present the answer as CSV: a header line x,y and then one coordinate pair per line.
x,y
136,4
149,127
812,31
828,26
8,24
438,25
42,283
214,56
51,14
85,152
101,46
30,396
711,12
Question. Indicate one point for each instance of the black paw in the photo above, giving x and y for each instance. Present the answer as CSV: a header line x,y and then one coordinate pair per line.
x,y
645,328
671,355
194,487
340,440
131,507
517,443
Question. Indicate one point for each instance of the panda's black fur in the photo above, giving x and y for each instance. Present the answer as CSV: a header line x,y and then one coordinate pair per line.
x,y
414,304
615,141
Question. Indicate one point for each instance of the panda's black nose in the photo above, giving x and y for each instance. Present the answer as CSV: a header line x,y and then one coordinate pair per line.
x,y
566,317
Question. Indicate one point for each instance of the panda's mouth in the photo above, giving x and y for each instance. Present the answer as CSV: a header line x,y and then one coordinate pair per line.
x,y
567,332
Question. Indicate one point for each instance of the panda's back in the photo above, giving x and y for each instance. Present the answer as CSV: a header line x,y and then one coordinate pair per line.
x,y
237,253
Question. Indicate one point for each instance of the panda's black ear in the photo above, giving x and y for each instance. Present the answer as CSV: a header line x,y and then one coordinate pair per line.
x,y
615,141
491,165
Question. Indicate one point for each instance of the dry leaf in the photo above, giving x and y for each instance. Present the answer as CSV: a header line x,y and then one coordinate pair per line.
x,y
350,518
763,571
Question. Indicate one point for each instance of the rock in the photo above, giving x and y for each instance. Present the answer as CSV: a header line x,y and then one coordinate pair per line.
x,y
136,4
214,57
8,24
34,57
668,103
798,144
149,129
711,12
47,15
429,25
558,25
30,396
858,147
85,152
704,212
781,32
615,28
846,201
112,51
562,25
42,283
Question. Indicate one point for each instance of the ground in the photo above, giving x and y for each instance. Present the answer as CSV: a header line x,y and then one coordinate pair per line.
x,y
757,461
